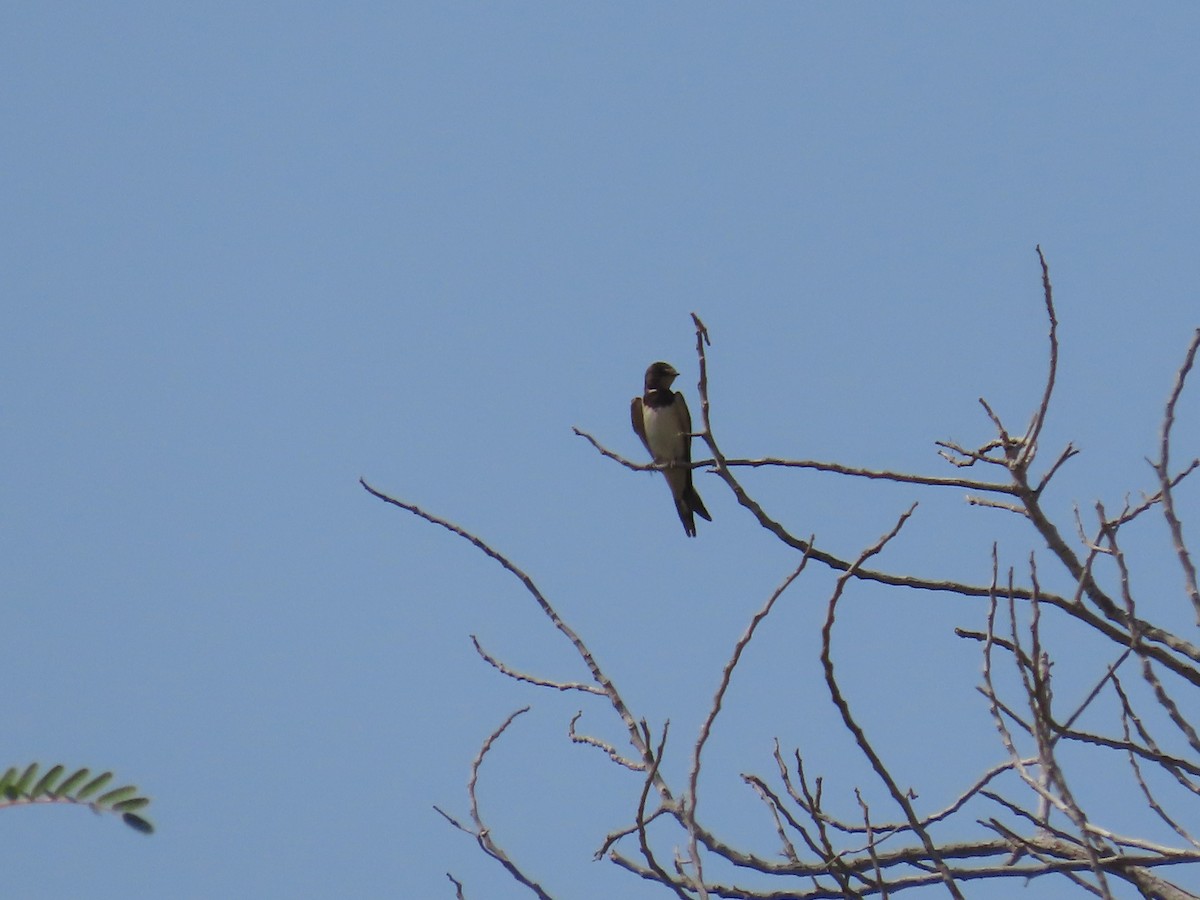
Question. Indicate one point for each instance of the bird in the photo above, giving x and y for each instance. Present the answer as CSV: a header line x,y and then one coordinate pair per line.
x,y
661,419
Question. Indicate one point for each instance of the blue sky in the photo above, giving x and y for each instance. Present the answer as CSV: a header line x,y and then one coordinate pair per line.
x,y
256,251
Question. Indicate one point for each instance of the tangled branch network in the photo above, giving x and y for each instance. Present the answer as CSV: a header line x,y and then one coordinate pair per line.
x,y
1021,818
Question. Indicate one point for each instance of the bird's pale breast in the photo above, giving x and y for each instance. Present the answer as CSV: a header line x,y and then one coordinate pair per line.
x,y
663,433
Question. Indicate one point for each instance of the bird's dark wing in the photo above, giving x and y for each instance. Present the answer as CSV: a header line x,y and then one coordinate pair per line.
x,y
685,425
690,499
638,419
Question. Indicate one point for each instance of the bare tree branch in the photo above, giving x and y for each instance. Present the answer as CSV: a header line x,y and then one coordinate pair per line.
x,y
581,648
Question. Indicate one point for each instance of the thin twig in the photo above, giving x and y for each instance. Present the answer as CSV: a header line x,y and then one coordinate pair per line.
x,y
1029,445
481,833
726,676
860,737
609,749
530,679
1164,479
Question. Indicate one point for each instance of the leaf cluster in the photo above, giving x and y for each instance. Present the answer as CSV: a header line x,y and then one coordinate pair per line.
x,y
19,787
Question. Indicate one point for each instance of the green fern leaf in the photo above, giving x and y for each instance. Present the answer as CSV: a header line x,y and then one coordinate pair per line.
x,y
116,795
23,783
137,823
67,787
94,785
46,783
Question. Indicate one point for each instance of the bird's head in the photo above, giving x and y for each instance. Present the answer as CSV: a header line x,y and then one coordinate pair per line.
x,y
660,376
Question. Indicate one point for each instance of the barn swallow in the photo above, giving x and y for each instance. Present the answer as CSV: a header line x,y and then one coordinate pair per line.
x,y
661,419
